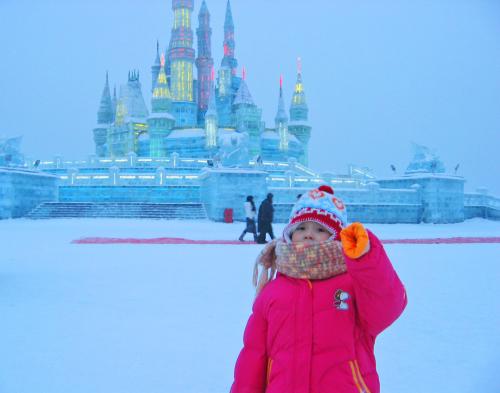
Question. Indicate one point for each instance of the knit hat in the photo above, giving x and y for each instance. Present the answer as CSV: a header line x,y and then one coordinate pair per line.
x,y
320,206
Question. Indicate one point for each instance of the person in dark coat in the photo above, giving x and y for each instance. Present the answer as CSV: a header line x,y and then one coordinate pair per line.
x,y
265,219
250,212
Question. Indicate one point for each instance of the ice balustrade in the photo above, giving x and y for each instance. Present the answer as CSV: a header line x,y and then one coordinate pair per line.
x,y
166,176
481,199
114,177
130,161
172,161
174,170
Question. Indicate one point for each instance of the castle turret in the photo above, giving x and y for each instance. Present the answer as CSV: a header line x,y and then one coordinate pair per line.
x,y
130,120
211,118
248,116
161,121
161,101
298,108
229,60
105,116
281,121
204,62
228,83
299,125
155,69
181,56
105,113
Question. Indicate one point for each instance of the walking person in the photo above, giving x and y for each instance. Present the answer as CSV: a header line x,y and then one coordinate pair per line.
x,y
250,213
265,219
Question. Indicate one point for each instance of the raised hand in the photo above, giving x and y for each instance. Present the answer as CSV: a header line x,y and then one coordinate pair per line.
x,y
355,241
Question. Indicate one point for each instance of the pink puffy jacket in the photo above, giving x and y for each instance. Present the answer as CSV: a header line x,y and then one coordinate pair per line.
x,y
318,336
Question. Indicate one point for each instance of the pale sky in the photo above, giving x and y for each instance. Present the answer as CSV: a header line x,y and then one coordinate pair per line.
x,y
378,75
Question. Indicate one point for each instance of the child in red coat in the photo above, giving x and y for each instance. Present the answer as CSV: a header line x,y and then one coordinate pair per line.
x,y
313,326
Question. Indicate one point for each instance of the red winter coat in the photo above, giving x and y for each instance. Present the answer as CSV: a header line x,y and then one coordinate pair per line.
x,y
318,336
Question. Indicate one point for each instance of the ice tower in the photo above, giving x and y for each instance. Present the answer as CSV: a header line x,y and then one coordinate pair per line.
x,y
161,121
130,119
204,61
299,125
181,57
105,117
211,120
228,83
248,116
281,121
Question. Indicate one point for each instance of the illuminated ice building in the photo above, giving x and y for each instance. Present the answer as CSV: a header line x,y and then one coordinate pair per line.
x,y
202,147
195,112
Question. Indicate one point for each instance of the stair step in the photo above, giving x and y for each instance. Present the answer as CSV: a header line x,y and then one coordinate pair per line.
x,y
119,210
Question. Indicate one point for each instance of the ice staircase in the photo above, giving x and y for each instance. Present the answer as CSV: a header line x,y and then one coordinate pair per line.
x,y
166,211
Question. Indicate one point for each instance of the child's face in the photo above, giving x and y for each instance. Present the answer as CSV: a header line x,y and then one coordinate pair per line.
x,y
310,232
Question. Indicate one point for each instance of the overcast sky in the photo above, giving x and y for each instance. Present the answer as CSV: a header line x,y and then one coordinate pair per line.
x,y
378,75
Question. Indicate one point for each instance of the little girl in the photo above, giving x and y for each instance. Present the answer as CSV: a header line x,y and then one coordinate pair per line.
x,y
313,326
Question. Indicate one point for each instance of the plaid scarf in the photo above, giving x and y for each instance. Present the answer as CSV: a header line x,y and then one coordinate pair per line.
x,y
314,261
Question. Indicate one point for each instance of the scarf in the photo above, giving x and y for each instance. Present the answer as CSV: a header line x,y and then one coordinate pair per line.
x,y
313,261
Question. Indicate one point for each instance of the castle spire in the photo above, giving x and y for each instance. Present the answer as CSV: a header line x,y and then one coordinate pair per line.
x,y
229,60
105,113
162,98
204,61
298,108
155,68
281,113
114,100
281,120
228,22
243,95
157,60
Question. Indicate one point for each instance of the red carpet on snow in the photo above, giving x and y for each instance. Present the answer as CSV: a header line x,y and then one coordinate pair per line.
x,y
179,240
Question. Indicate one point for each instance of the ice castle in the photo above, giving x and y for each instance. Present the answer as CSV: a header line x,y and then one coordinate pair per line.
x,y
203,147
199,117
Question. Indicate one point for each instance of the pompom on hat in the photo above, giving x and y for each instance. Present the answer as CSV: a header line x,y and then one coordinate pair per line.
x,y
320,206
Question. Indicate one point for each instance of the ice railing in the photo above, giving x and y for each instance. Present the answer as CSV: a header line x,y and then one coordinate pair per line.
x,y
129,161
175,170
172,161
160,177
481,199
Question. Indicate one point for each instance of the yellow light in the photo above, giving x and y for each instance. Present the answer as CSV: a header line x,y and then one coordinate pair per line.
x,y
121,112
162,78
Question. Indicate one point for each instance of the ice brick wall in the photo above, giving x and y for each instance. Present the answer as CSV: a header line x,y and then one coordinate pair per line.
x,y
22,190
442,196
372,204
480,204
228,188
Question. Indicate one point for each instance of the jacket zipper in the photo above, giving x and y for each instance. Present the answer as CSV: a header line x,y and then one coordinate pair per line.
x,y
357,377
269,367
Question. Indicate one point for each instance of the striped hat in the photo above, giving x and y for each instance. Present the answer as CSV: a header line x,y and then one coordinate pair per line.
x,y
318,205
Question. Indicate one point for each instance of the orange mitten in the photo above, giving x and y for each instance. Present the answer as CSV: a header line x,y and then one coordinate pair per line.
x,y
355,240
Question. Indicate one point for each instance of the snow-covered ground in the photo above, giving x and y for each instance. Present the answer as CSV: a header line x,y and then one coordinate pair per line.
x,y
169,318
